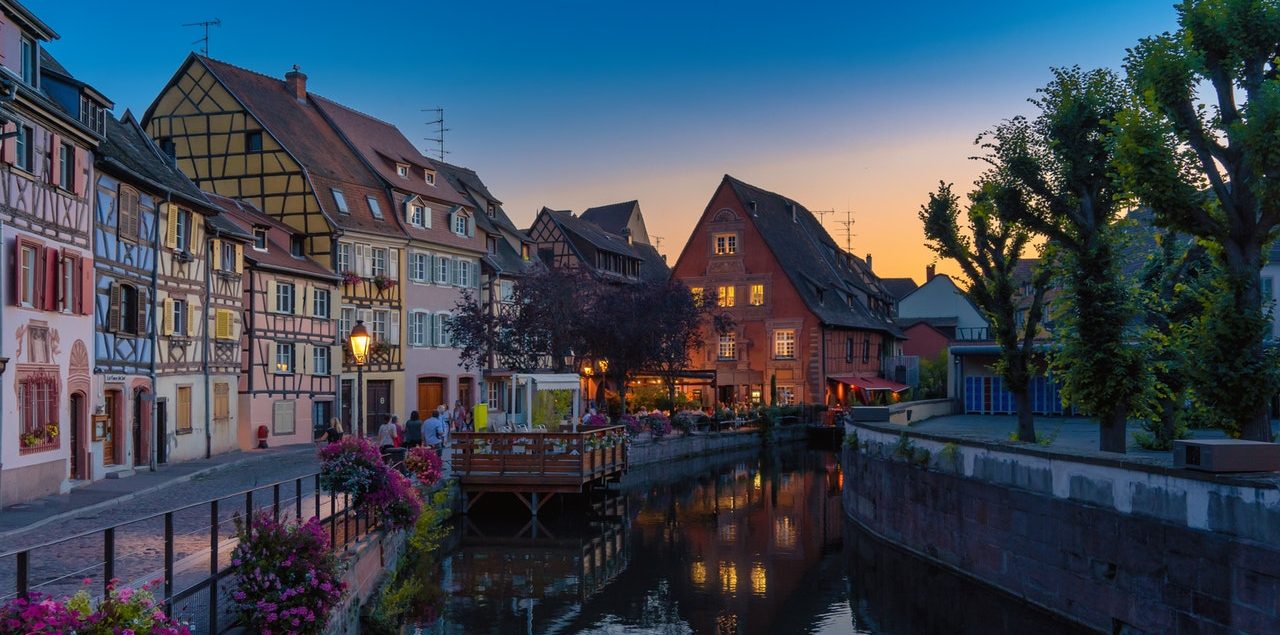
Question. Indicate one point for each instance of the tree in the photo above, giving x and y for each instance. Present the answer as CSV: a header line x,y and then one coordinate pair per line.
x,y
1061,164
988,261
678,319
1214,173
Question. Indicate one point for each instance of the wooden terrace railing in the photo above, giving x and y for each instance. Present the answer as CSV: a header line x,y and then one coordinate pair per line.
x,y
543,461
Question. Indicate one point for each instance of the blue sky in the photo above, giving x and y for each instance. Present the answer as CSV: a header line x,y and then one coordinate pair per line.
x,y
855,105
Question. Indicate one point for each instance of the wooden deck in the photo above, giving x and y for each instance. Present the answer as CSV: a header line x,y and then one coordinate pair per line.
x,y
535,466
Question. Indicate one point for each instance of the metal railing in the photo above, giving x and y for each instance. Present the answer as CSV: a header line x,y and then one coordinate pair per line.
x,y
182,549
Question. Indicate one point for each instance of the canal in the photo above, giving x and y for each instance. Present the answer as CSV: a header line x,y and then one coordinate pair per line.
x,y
748,543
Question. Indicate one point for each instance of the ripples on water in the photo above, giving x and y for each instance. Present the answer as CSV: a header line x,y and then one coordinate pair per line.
x,y
745,544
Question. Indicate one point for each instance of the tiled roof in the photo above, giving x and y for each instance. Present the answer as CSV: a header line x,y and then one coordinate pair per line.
x,y
303,131
129,153
245,217
223,226
612,218
899,287
822,273
466,181
587,236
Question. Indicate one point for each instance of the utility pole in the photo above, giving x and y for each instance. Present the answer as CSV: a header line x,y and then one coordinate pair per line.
x,y
204,41
440,130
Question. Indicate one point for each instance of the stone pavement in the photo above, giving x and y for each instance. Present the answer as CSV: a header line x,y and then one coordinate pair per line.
x,y
1078,435
113,501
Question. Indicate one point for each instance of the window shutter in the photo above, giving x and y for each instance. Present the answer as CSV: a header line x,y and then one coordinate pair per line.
x,y
239,256
55,150
17,272
10,143
166,319
302,357
80,176
451,269
271,296
88,287
393,268
471,226
334,309
215,256
193,320
113,307
393,328
142,311
170,225
51,279
301,304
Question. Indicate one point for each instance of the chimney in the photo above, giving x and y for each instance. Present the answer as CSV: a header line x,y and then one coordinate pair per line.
x,y
929,272
297,81
868,261
791,207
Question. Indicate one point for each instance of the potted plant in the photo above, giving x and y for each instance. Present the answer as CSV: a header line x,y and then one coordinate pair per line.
x,y
384,282
351,277
287,578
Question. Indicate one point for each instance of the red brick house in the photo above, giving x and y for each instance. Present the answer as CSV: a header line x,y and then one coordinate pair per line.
x,y
806,312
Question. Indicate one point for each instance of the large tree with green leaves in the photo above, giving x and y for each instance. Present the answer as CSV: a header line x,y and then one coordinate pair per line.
x,y
1200,147
1061,163
988,255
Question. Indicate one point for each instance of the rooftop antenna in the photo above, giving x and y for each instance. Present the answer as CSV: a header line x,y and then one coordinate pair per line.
x,y
440,130
847,225
657,242
204,41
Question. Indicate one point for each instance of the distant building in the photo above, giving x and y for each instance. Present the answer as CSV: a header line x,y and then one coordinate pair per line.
x,y
808,315
609,242
900,287
936,314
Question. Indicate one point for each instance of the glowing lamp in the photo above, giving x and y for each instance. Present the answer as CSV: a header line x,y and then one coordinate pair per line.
x,y
360,341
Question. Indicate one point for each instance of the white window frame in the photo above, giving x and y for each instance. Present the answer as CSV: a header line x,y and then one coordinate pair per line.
x,y
784,344
430,177
178,319
344,258
286,362
260,235
346,321
340,200
320,297
402,170
459,218
440,336
286,290
320,362
727,348
726,244
377,268
380,325
442,269
420,334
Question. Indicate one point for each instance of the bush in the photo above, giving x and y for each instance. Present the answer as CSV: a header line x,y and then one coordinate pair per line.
x,y
287,579
123,610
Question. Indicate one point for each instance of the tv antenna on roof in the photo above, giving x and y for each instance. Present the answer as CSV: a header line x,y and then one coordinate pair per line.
x,y
440,130
847,225
204,50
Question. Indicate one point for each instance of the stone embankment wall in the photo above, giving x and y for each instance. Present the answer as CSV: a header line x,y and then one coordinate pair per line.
x,y
913,411
1117,546
691,445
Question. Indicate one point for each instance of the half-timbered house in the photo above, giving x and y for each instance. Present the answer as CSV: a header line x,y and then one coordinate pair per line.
x,y
442,260
46,176
261,139
615,253
289,347
808,315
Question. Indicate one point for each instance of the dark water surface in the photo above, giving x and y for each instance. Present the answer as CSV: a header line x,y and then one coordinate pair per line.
x,y
748,543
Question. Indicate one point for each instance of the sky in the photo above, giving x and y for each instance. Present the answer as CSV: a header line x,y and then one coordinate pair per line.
x,y
852,106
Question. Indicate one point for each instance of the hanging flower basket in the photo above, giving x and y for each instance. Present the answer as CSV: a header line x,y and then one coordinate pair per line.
x,y
382,282
351,277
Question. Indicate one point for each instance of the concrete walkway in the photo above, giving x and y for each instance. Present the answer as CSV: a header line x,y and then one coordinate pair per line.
x,y
102,503
1074,435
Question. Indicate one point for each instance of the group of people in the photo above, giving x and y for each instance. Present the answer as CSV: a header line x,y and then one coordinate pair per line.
x,y
432,432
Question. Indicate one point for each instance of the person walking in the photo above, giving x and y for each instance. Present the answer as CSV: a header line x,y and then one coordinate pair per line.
x,y
387,436
333,433
398,439
413,431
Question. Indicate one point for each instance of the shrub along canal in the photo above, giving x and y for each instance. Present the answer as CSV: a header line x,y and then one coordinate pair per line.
x,y
752,542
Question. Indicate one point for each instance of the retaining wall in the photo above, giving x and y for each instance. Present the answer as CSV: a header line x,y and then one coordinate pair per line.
x,y
1114,545
913,411
690,445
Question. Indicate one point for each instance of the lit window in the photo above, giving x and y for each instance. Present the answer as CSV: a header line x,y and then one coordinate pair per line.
x,y
340,200
373,206
724,296
284,357
728,347
260,238
784,343
524,252
726,244
757,295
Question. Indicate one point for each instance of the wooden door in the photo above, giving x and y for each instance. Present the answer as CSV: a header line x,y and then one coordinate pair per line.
x,y
464,392
430,395
348,397
162,431
139,456
377,399
109,435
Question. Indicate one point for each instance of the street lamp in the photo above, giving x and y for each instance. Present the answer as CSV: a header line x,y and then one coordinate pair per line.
x,y
359,340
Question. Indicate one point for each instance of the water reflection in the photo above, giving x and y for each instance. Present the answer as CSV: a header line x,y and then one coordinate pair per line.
x,y
747,544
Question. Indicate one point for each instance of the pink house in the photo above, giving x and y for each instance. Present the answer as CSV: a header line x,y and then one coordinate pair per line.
x,y
290,352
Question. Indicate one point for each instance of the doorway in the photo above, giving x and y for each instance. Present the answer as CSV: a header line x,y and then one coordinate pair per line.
x,y
430,395
139,457
321,412
110,400
162,431
347,407
77,437
377,406
464,392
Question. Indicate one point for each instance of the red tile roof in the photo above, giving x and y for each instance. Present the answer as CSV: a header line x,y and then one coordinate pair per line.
x,y
277,256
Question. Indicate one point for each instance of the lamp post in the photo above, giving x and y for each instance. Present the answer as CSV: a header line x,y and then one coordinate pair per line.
x,y
359,340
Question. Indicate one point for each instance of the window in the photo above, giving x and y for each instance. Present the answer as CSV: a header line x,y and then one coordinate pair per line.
x,y
381,322
420,328
463,274
177,318
787,395
460,224
757,295
253,141
344,257
866,349
443,267
168,147
229,255
183,414
127,310
319,360
320,303
38,407
221,402
724,296
491,209
260,238
728,347
1268,292
492,246
29,61
506,291
495,395
67,166
346,321
848,350
379,262
70,287
30,264
184,230
431,177
418,216
284,297
402,170
282,417
340,200
524,251
284,358
24,144
726,244
784,344
442,337
297,246
373,206
420,267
